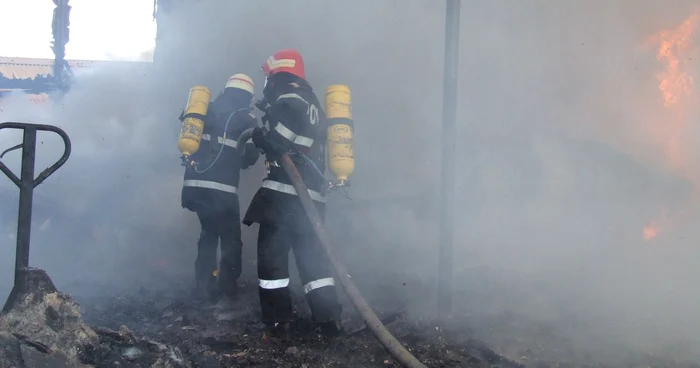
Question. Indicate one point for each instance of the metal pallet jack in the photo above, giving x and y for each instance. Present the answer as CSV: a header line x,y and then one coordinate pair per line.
x,y
27,278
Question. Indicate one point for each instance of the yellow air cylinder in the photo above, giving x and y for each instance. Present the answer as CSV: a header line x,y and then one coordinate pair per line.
x,y
340,128
193,121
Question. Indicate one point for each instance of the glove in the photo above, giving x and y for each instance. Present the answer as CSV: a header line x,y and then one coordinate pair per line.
x,y
265,119
260,142
262,105
259,138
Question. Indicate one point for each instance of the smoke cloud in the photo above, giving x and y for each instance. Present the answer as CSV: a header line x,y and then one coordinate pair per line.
x,y
558,169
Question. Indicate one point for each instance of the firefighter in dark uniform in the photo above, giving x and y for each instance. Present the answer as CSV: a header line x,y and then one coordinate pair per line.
x,y
210,189
292,124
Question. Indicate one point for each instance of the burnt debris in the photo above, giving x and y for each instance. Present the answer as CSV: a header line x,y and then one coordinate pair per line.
x,y
44,329
229,333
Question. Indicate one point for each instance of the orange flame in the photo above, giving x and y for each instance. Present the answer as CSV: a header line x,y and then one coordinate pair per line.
x,y
676,82
650,231
676,86
654,227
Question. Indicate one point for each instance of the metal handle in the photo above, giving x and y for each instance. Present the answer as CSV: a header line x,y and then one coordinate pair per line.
x,y
36,127
26,183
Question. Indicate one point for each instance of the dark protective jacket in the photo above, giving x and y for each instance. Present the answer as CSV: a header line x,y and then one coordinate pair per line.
x,y
294,123
215,190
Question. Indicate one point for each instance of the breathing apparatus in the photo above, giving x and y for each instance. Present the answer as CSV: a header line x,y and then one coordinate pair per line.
x,y
194,116
339,148
195,165
339,138
192,119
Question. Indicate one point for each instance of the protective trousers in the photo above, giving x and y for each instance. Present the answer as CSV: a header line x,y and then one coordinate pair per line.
x,y
274,244
226,227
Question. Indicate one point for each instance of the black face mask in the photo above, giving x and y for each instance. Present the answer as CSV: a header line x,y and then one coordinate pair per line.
x,y
268,87
275,80
263,103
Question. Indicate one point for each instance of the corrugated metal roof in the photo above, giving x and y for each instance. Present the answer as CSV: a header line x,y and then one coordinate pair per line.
x,y
21,68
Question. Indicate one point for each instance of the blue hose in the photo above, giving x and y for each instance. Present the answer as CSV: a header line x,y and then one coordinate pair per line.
x,y
321,178
223,143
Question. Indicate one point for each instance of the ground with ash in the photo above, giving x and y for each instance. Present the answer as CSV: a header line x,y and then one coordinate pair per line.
x,y
167,328
228,333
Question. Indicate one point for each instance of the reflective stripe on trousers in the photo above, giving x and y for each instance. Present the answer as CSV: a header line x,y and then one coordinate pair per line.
x,y
309,287
289,189
209,185
274,284
316,284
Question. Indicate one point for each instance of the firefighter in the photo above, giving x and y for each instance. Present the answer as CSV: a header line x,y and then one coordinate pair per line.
x,y
210,188
292,124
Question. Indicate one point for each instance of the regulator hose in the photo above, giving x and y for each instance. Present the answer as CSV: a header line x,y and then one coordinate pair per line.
x,y
221,149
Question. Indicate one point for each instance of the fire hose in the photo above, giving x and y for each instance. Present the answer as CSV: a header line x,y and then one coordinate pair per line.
x,y
392,345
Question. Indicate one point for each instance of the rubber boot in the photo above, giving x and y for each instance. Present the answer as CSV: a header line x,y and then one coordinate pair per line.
x,y
278,332
207,289
329,329
227,286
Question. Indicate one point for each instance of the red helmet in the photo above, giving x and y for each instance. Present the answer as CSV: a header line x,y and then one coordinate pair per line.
x,y
287,60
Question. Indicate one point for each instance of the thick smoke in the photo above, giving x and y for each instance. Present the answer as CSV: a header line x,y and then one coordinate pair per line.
x,y
557,172
104,215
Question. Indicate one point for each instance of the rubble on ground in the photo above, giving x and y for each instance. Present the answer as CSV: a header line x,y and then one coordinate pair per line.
x,y
228,333
44,329
168,328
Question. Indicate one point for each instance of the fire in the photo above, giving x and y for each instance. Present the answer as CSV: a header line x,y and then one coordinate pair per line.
x,y
676,82
675,49
654,227
650,231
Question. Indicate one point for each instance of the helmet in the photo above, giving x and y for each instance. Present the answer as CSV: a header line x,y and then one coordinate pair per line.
x,y
286,60
241,81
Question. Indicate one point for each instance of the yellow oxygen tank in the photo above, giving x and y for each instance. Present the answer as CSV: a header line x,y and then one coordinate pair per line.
x,y
340,128
193,122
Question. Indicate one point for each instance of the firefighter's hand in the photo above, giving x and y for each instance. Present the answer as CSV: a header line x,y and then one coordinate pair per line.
x,y
262,105
259,138
265,119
